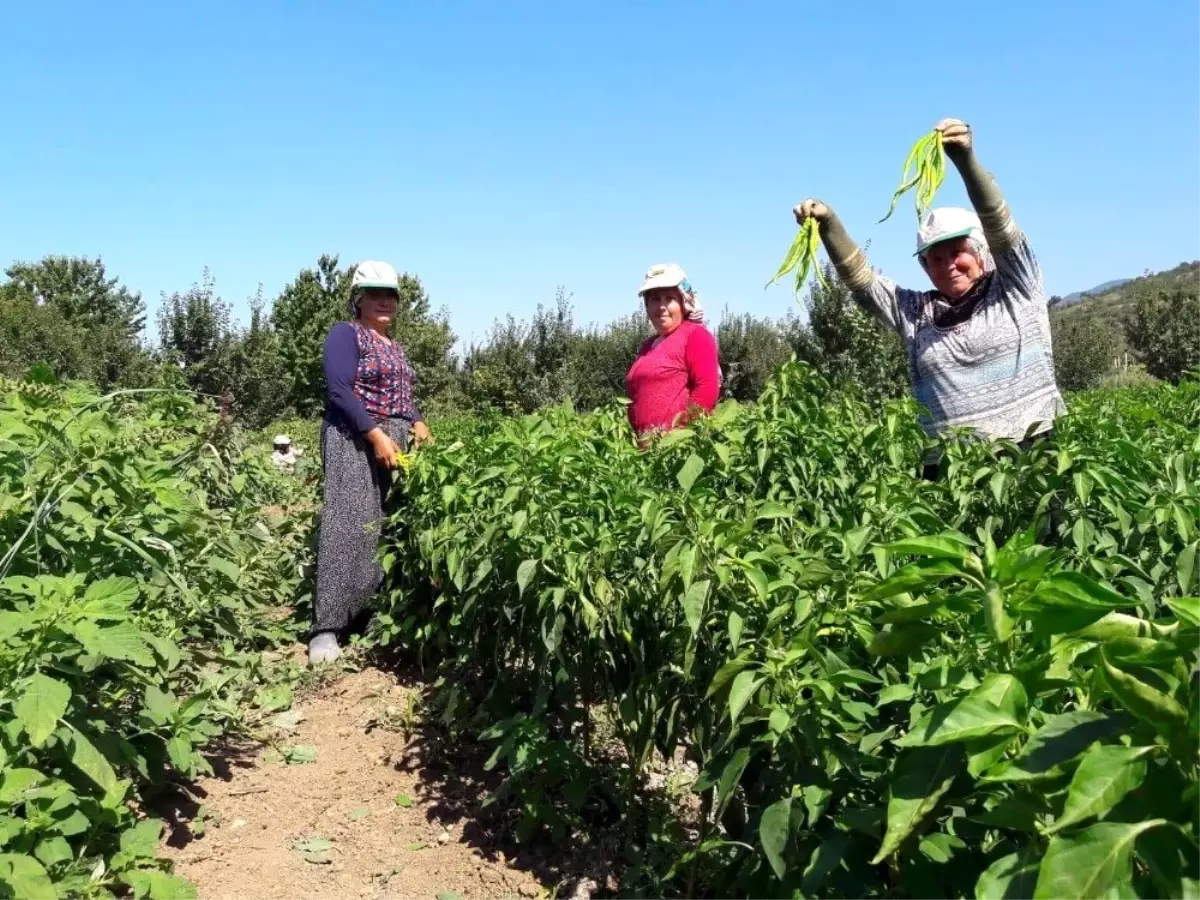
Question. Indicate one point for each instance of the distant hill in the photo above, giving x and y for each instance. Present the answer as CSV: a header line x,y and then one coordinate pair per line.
x,y
1072,299
1113,298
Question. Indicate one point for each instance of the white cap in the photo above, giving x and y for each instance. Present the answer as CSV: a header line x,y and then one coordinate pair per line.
x,y
282,439
664,275
946,224
374,274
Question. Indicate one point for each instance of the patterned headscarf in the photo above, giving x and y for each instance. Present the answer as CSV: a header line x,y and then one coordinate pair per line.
x,y
692,310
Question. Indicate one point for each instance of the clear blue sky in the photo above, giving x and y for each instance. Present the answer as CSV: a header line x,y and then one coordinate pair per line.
x,y
500,149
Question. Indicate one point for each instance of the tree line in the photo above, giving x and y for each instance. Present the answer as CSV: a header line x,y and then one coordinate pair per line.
x,y
69,314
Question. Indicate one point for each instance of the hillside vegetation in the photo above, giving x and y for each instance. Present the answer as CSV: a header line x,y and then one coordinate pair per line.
x,y
1144,326
1114,300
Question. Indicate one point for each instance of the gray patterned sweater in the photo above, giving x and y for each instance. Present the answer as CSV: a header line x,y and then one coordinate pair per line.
x,y
994,372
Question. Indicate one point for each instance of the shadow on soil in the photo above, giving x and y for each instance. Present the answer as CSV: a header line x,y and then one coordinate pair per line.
x,y
606,857
179,803
600,860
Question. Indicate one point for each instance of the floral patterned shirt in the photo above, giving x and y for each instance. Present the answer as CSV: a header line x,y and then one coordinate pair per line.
x,y
368,378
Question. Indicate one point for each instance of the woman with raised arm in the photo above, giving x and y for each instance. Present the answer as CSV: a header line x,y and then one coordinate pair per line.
x,y
978,343
676,374
369,415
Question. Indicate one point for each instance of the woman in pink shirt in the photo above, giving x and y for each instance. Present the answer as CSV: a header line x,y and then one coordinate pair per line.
x,y
676,373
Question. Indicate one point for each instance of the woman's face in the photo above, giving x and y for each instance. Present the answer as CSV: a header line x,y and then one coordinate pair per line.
x,y
953,267
377,306
664,309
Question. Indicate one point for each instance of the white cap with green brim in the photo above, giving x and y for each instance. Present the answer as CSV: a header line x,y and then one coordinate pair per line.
x,y
664,275
373,274
947,224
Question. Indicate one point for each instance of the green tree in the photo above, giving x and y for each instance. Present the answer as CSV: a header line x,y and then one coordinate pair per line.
x,y
850,347
302,315
1085,348
195,331
33,333
498,373
600,358
79,289
752,349
1164,331
259,380
428,342
522,367
91,307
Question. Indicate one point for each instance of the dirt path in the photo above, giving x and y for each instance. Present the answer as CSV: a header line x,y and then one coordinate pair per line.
x,y
363,841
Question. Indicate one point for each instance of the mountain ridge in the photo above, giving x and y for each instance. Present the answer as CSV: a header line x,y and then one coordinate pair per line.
x,y
1114,295
1076,296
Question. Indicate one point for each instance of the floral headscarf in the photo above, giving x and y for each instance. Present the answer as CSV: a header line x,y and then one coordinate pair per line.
x,y
692,310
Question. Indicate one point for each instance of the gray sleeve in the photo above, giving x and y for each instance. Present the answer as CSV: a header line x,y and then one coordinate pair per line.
x,y
875,293
1018,268
893,305
997,221
880,297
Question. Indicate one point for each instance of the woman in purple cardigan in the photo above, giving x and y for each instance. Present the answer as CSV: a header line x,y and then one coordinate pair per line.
x,y
370,414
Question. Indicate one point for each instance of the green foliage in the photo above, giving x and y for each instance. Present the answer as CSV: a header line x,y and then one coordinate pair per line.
x,y
303,314
79,290
195,332
69,315
850,348
66,312
983,686
751,349
273,367
135,585
601,357
1085,349
1164,330
520,368
429,342
32,334
1129,376
1114,301
256,370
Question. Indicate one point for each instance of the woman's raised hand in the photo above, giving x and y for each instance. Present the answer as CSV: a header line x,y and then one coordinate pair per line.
x,y
811,209
956,135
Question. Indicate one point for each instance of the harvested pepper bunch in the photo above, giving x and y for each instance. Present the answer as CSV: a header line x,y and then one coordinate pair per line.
x,y
927,164
802,256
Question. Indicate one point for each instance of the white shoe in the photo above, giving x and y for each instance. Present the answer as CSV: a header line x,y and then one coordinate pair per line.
x,y
323,648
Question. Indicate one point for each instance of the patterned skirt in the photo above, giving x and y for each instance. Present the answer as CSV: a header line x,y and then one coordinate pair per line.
x,y
356,489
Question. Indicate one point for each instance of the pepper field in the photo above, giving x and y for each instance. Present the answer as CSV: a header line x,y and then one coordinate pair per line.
x,y
889,687
868,684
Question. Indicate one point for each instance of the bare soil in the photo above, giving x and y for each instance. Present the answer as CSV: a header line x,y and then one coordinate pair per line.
x,y
254,813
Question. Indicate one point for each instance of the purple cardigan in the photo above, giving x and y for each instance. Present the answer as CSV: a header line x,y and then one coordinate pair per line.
x,y
341,360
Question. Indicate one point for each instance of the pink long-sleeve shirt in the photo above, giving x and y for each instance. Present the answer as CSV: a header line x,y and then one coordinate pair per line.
x,y
668,378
